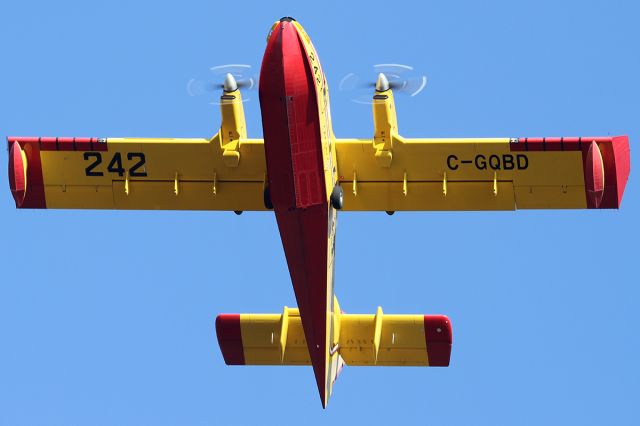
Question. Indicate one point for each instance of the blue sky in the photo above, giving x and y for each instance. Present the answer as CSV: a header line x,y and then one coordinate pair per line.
x,y
108,317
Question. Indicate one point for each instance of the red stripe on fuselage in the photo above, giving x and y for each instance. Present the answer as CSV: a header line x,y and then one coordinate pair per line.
x,y
291,122
293,150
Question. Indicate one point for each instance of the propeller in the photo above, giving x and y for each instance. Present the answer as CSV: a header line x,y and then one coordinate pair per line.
x,y
228,77
400,78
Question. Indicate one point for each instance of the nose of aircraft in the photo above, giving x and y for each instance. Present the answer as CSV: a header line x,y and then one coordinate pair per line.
x,y
279,27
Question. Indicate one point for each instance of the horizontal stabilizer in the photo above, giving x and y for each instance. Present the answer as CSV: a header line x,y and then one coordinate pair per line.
x,y
361,340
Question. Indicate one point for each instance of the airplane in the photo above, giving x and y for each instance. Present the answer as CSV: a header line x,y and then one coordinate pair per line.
x,y
305,175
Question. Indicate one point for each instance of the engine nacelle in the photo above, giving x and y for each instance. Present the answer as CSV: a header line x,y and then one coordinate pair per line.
x,y
385,122
233,128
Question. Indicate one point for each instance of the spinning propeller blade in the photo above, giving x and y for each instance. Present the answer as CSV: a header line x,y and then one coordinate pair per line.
x,y
398,77
228,77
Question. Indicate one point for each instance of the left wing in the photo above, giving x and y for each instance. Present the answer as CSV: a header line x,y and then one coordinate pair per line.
x,y
137,173
226,172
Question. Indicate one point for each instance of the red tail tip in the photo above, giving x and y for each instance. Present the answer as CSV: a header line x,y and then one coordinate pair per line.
x,y
439,337
230,338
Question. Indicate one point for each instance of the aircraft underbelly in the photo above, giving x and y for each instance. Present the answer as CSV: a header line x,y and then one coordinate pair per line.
x,y
295,168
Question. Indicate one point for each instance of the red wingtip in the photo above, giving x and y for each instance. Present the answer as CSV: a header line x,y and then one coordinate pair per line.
x,y
615,157
622,160
230,338
439,337
17,173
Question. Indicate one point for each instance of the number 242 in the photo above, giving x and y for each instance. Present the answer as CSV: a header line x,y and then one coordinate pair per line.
x,y
115,165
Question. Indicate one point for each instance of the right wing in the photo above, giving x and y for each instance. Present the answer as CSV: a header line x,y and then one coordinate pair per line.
x,y
482,173
137,173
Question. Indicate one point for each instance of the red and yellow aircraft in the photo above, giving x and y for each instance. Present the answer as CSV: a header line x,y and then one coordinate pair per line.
x,y
305,174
